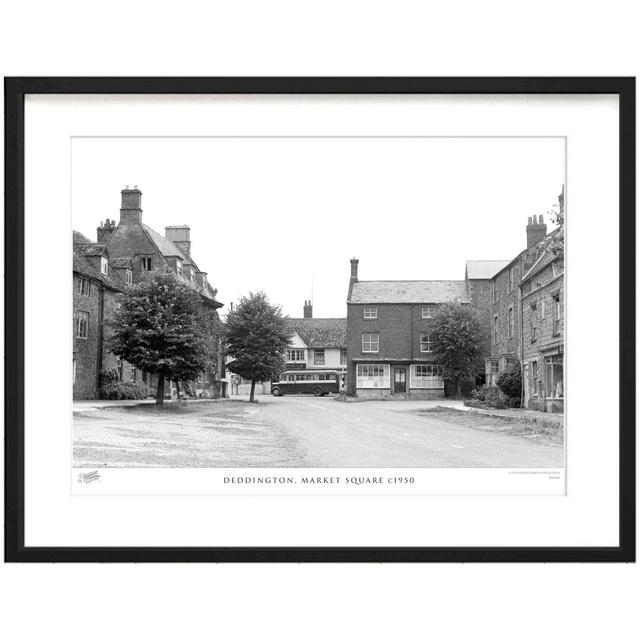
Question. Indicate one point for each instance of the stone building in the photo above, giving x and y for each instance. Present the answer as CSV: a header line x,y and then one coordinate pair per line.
x,y
479,276
505,313
542,290
389,345
95,291
123,255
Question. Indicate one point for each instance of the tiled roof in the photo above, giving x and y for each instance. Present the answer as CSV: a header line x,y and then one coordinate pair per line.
x,y
408,291
165,246
121,263
91,249
543,261
80,238
484,269
321,333
169,248
83,268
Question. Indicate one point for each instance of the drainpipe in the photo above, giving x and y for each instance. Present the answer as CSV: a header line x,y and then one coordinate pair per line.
x,y
521,345
100,334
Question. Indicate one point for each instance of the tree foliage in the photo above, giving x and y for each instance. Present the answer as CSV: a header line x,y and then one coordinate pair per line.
x,y
165,327
257,337
456,337
510,381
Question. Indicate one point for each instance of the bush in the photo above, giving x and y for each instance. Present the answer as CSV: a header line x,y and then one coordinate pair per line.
x,y
510,381
491,397
111,388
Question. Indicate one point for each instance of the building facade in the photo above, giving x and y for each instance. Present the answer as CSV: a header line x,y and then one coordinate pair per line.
x,y
318,345
124,254
542,290
506,310
389,345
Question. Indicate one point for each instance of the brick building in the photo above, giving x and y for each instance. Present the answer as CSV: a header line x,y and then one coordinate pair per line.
x,y
389,346
123,254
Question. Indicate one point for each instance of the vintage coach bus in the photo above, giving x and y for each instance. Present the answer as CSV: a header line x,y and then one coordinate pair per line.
x,y
318,383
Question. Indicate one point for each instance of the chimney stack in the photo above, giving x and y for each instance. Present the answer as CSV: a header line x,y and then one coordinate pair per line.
x,y
354,270
105,230
181,236
536,230
308,309
130,210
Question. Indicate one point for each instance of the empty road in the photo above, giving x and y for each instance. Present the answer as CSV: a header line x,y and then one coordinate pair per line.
x,y
300,431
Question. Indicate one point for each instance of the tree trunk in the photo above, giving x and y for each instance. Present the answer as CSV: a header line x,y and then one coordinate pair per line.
x,y
253,391
160,391
458,388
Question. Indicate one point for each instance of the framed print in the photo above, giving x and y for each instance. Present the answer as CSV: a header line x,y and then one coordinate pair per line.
x,y
320,319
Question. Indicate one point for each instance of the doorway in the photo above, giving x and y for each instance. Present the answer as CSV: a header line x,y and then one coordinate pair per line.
x,y
399,380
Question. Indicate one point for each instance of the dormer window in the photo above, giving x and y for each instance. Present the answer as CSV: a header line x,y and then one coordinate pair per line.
x,y
179,267
104,266
146,264
128,276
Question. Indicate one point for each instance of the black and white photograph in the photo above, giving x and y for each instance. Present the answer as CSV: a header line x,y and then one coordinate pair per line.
x,y
356,313
318,302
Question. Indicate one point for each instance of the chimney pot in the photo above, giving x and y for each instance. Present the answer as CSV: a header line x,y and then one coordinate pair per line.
x,y
536,230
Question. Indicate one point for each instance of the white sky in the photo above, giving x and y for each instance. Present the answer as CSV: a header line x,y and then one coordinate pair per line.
x,y
279,214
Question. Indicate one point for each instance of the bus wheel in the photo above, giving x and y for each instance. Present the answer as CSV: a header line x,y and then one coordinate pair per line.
x,y
276,392
317,392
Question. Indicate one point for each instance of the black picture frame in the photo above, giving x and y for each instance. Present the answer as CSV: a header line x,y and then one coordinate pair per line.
x,y
15,91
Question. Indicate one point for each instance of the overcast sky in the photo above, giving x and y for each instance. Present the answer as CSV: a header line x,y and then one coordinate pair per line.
x,y
285,214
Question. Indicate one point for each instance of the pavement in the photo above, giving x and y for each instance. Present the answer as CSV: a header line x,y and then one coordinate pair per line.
x,y
300,431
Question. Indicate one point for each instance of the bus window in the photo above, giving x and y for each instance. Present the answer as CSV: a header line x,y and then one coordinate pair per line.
x,y
321,376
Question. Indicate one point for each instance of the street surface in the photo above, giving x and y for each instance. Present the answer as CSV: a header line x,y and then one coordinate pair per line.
x,y
301,431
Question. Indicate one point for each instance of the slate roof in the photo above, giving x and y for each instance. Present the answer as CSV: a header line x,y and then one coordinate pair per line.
x,y
165,246
169,248
80,238
321,333
484,269
121,263
91,249
408,291
543,261
82,267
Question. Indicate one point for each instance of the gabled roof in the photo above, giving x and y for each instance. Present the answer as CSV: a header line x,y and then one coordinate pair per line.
x,y
169,248
321,333
484,269
543,261
80,238
408,291
83,267
165,246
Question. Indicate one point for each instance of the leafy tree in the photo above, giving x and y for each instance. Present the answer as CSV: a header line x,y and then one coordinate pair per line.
x,y
257,337
164,327
510,381
456,336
